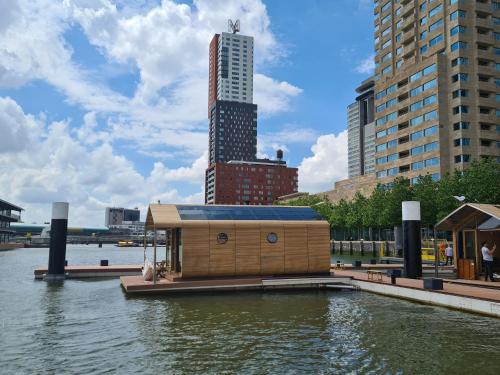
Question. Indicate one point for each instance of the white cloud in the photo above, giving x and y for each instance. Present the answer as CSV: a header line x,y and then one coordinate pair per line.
x,y
16,129
272,96
327,164
167,44
89,177
288,134
367,65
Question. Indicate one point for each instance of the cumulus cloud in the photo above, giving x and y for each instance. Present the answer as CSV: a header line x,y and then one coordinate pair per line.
x,y
166,43
16,129
179,35
90,178
327,164
366,66
289,134
271,95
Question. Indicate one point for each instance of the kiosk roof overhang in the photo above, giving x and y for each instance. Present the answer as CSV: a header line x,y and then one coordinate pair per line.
x,y
164,216
470,211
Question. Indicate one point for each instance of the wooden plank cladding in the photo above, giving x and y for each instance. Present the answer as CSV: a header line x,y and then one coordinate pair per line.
x,y
272,255
318,239
248,249
296,253
222,254
196,255
228,249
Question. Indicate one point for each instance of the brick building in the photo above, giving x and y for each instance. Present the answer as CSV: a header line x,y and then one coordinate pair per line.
x,y
249,183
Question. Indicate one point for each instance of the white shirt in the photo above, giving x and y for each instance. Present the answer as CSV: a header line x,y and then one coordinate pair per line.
x,y
449,251
486,253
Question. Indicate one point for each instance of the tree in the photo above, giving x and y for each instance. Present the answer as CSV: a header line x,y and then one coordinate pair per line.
x,y
425,191
481,181
375,214
400,191
338,217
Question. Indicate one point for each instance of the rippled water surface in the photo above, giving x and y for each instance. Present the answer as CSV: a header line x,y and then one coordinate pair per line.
x,y
93,327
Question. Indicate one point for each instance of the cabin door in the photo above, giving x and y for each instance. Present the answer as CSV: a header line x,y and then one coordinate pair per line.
x,y
467,265
176,250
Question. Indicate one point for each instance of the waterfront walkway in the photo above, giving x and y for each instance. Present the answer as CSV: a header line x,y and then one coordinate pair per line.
x,y
465,288
468,295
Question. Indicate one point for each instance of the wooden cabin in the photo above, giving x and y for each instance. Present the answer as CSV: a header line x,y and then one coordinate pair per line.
x,y
472,224
211,240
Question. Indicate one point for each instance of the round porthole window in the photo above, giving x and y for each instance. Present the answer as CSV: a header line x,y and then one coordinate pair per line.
x,y
222,238
272,237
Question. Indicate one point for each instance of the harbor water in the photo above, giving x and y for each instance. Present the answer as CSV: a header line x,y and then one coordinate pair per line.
x,y
91,326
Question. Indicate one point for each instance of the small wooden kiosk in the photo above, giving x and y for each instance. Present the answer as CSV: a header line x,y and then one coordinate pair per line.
x,y
472,224
208,241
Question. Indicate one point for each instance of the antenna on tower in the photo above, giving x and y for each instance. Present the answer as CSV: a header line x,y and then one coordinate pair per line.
x,y
233,27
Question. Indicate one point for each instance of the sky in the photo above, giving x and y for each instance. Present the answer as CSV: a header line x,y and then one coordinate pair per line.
x,y
104,102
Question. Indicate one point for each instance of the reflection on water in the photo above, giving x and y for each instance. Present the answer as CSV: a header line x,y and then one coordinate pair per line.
x,y
93,327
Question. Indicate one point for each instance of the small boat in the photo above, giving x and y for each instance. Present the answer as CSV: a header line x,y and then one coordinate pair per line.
x,y
125,243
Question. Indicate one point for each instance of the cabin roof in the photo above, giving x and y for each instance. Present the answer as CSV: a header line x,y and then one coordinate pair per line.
x,y
171,215
479,213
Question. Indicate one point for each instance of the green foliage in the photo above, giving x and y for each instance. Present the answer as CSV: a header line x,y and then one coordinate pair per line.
x,y
424,191
399,192
480,183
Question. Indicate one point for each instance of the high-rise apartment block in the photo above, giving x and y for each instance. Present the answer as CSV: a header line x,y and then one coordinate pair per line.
x,y
230,68
437,83
361,132
232,131
234,174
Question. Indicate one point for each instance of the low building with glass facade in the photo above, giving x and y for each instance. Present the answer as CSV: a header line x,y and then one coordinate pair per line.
x,y
7,216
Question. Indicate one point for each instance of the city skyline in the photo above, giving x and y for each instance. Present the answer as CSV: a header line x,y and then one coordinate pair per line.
x,y
104,119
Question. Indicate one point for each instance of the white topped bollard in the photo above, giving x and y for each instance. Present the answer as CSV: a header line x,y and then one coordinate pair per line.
x,y
412,245
58,234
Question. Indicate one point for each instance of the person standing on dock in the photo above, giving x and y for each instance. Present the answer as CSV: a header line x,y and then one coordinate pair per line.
x,y
488,260
449,254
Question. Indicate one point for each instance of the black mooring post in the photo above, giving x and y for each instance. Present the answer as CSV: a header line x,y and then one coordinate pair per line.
x,y
411,240
58,234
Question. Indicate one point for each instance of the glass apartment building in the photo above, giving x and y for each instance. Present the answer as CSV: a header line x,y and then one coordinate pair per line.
x,y
437,85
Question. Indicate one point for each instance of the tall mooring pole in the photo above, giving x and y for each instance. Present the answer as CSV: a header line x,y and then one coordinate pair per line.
x,y
412,245
58,234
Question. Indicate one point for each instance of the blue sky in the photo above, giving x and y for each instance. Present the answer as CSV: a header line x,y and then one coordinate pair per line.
x,y
104,104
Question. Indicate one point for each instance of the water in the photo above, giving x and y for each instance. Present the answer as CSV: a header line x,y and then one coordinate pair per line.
x,y
93,327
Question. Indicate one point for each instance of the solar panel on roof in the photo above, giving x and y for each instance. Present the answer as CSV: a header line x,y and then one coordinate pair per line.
x,y
247,213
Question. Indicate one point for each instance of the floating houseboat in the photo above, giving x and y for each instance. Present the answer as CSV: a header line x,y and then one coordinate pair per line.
x,y
212,241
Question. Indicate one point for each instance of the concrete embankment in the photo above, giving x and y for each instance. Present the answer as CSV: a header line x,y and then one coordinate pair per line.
x,y
475,296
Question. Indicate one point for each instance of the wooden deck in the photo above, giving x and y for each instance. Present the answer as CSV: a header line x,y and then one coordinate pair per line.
x,y
464,288
391,266
91,271
96,271
136,284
